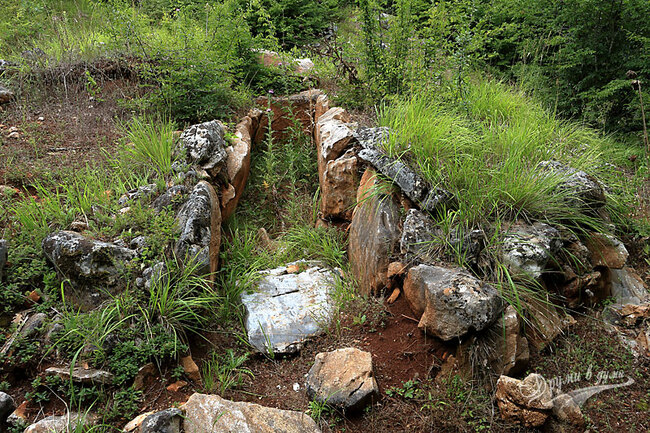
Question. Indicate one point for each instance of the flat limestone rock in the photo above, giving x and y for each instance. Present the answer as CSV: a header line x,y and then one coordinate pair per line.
x,y
343,378
62,424
82,375
213,414
288,308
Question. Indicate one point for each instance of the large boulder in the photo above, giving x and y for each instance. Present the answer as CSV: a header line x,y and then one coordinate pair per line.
x,y
528,402
343,378
213,414
581,189
372,137
90,265
286,308
199,220
450,302
205,146
526,249
431,199
374,235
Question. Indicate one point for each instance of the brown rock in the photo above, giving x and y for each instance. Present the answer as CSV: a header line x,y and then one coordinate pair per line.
x,y
343,378
177,386
293,268
136,422
565,409
322,106
396,269
393,296
33,297
339,186
527,402
513,346
545,322
374,237
147,370
190,368
238,164
607,251
286,112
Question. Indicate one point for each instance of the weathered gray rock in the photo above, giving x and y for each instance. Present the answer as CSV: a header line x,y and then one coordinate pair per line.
x,y
62,424
82,375
33,324
287,308
628,287
4,254
374,235
606,250
343,378
527,249
372,137
165,421
451,302
411,183
582,189
6,95
213,414
154,274
142,192
170,198
204,145
418,237
527,402
7,405
200,225
89,264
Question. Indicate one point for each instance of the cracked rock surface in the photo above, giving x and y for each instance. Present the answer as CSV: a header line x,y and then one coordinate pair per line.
x,y
288,307
343,378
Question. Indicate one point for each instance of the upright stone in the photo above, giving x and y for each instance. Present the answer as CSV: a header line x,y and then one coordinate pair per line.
x,y
374,235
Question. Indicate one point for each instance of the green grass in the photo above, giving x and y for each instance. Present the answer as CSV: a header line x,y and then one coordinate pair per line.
x,y
150,142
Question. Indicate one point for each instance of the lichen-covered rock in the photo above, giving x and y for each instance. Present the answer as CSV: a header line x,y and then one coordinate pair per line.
x,y
213,414
171,198
142,192
343,378
372,137
87,263
165,421
411,183
82,375
451,302
607,251
527,402
527,249
199,220
285,309
418,237
62,424
204,145
583,190
374,235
